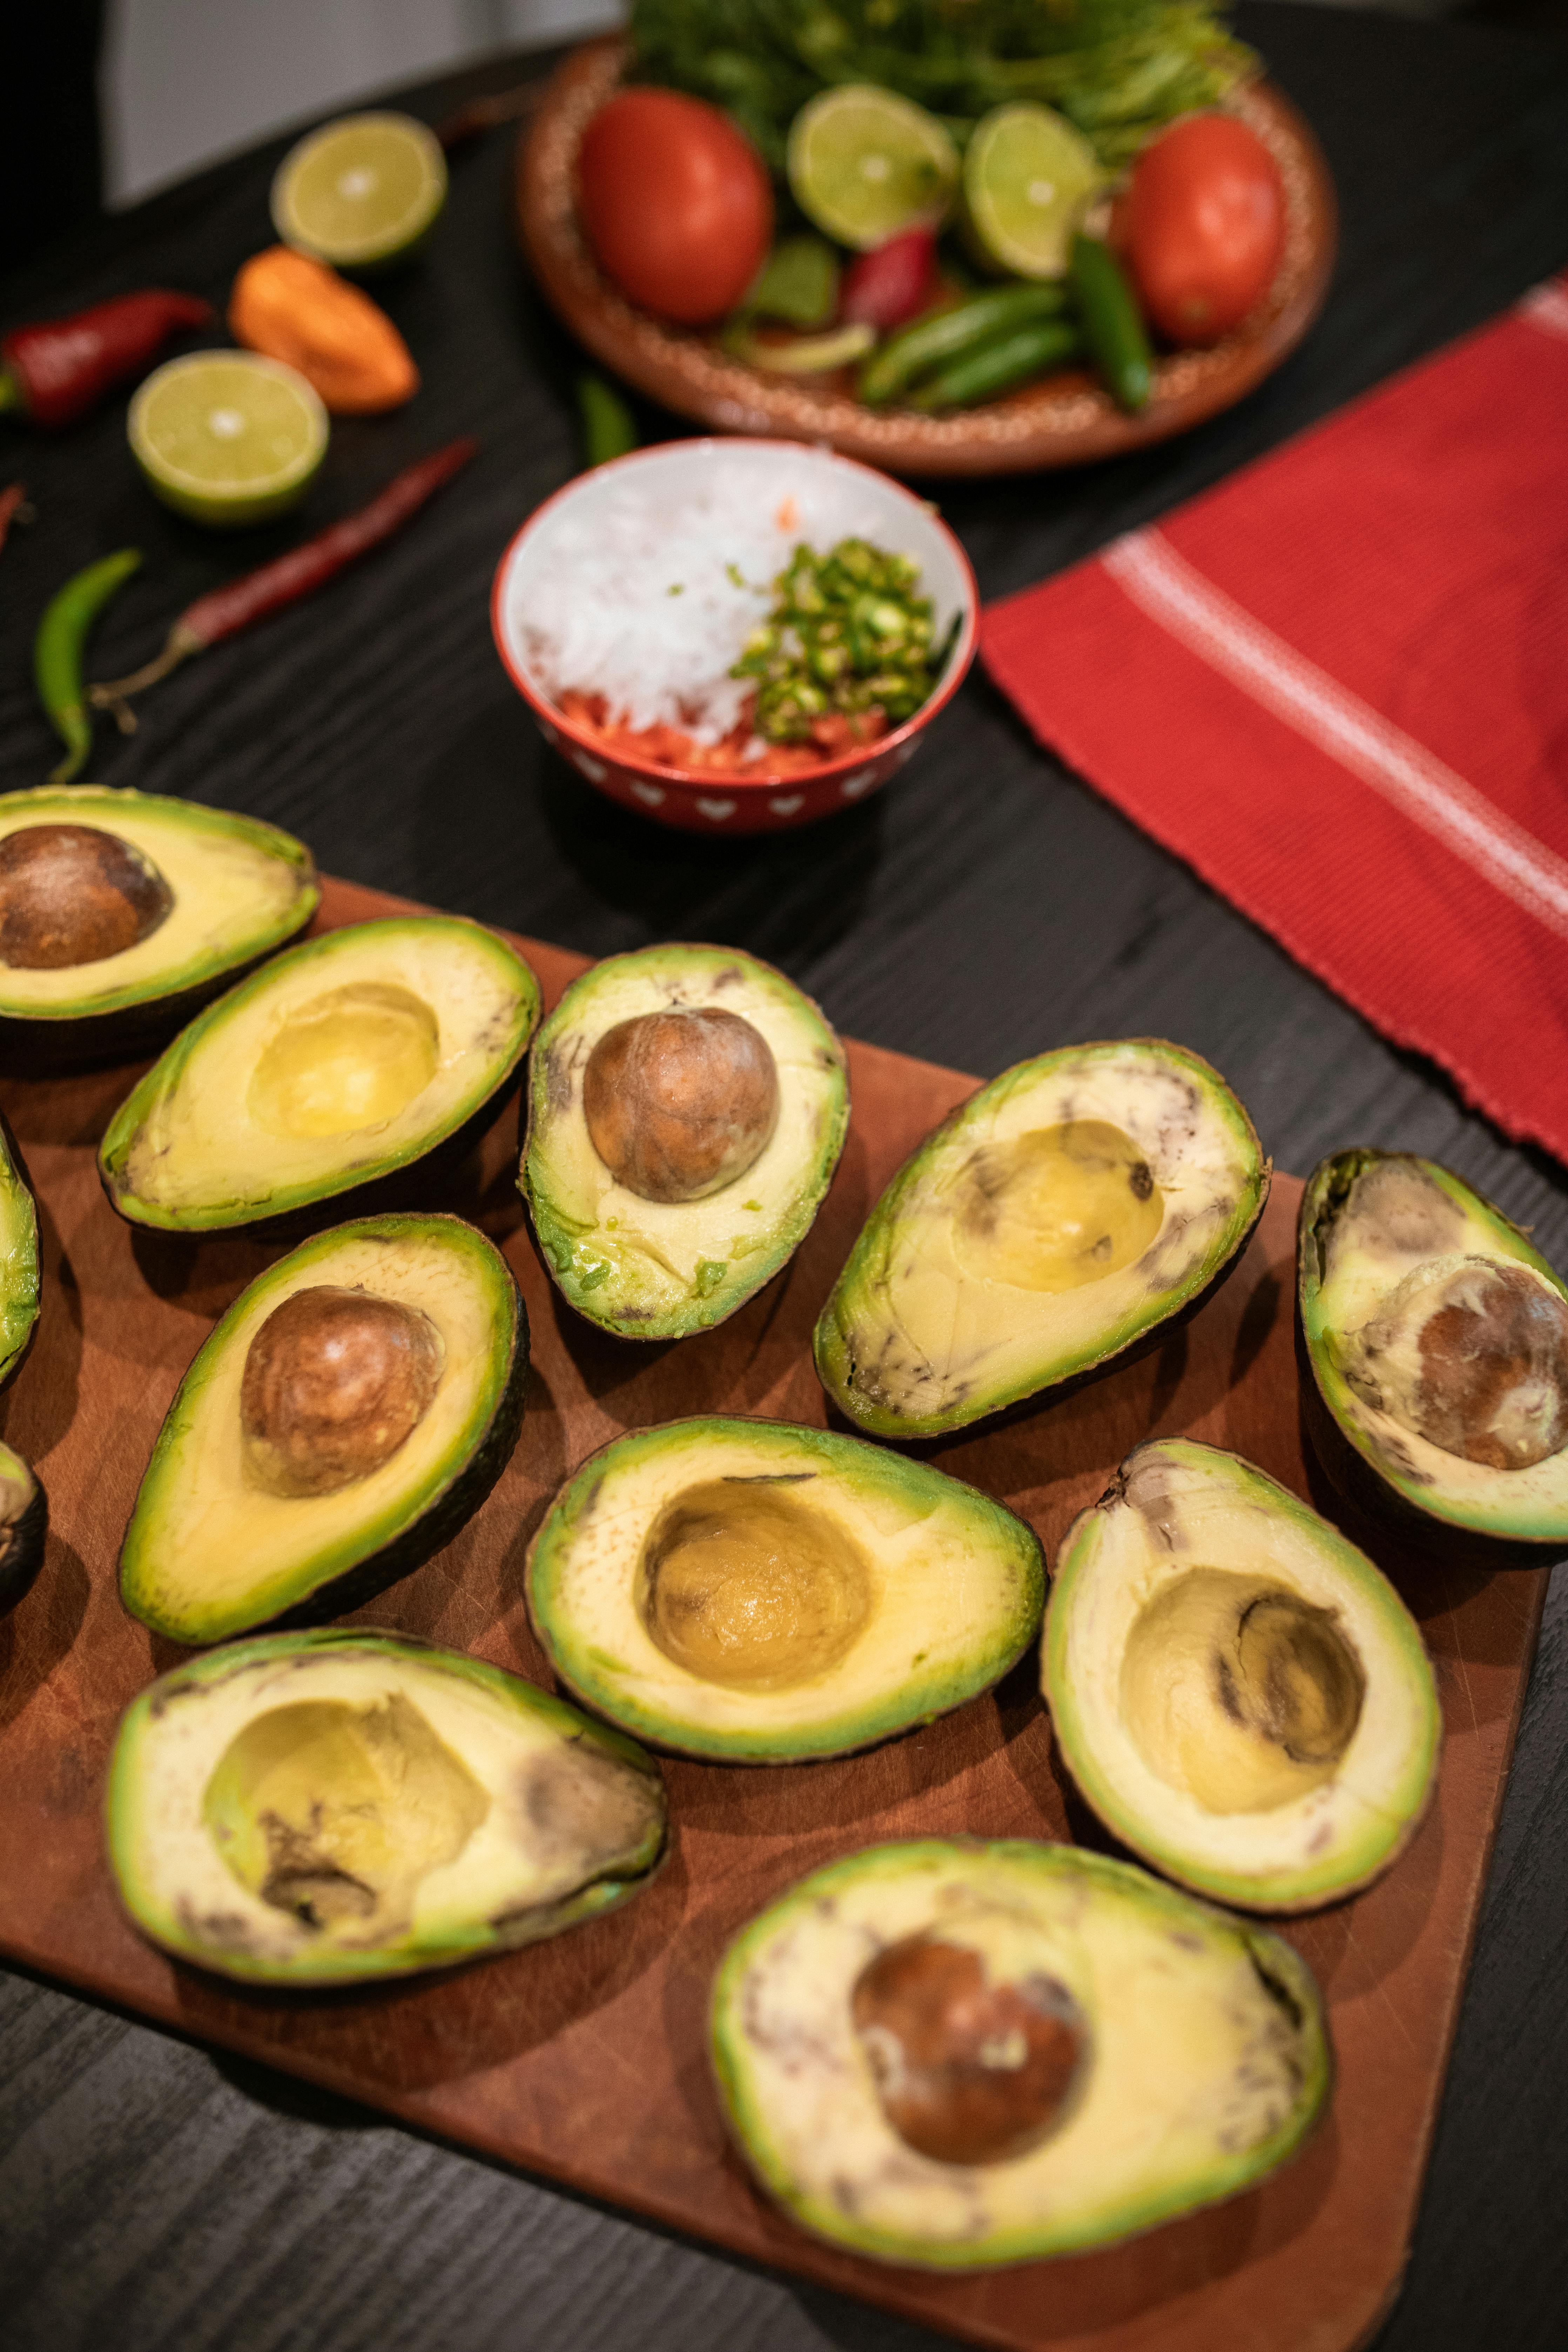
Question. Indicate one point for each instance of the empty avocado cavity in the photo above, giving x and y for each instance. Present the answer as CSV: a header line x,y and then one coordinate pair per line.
x,y
743,1584
349,1059
1057,1207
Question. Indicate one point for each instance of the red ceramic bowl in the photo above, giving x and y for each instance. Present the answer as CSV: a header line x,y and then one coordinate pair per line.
x,y
661,496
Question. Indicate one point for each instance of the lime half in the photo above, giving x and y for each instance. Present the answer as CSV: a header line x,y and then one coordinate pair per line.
x,y
865,163
226,436
1028,174
360,191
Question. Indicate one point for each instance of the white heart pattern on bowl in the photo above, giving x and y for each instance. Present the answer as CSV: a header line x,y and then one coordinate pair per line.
x,y
651,795
594,769
717,810
853,786
787,803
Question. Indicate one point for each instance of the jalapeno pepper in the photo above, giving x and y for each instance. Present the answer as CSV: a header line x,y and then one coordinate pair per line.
x,y
930,343
1112,325
609,428
58,647
997,365
56,371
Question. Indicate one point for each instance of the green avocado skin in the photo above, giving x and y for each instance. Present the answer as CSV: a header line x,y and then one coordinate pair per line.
x,y
1440,1523
22,1294
486,1938
324,1592
68,1038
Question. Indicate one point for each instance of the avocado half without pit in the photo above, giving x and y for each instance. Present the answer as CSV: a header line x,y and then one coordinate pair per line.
x,y
339,1065
121,912
346,1419
1435,1340
1240,1694
687,1108
1059,1218
320,1807
959,2055
757,1592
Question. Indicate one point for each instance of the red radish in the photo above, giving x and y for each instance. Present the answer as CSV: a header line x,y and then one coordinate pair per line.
x,y
892,282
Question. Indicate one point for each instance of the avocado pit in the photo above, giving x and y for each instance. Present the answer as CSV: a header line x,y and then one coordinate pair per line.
x,y
1057,1207
351,1058
1473,1356
747,1587
1240,1691
335,1380
73,894
680,1103
968,2070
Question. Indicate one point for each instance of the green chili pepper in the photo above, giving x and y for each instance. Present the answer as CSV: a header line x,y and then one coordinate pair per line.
x,y
798,283
1113,326
997,365
58,647
930,343
609,429
848,635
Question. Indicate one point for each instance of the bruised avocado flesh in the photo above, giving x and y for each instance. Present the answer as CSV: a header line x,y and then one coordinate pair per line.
x,y
1055,1219
347,1416
122,911
755,1592
958,2054
1438,1339
340,1063
320,1808
1239,1692
20,1278
687,1108
24,1524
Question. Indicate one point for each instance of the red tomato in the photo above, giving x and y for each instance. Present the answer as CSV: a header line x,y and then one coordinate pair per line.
x,y
676,204
1204,221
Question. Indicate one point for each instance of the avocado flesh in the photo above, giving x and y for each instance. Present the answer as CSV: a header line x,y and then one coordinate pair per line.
x,y
755,1592
1055,1219
1205,2060
654,1269
24,1524
320,1808
338,1064
20,1276
211,1551
239,888
1398,1255
1240,1694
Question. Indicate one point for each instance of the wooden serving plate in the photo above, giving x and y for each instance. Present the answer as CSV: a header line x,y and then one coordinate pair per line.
x,y
584,2059
1064,419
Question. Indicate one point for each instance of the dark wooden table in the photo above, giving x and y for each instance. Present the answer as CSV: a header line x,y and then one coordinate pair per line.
x,y
154,2195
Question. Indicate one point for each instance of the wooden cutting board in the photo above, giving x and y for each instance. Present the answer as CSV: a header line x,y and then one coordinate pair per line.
x,y
584,2059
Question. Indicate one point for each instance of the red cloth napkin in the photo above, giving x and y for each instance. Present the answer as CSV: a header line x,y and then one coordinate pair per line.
x,y
1337,687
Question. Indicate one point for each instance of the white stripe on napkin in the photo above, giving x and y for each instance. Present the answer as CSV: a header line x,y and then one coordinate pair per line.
x,y
1547,306
1162,584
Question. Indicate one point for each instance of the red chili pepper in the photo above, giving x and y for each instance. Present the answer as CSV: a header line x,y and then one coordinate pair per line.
x,y
12,500
891,283
226,610
60,370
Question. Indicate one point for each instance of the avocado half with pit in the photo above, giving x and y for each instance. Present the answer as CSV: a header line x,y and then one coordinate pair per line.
x,y
687,1106
757,1592
346,1419
327,1807
24,1525
121,912
21,1278
1059,1218
1240,1694
340,1063
959,2055
1435,1340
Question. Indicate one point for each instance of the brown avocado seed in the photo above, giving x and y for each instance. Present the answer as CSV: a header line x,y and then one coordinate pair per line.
x,y
967,2071
1474,1361
335,1380
681,1103
73,894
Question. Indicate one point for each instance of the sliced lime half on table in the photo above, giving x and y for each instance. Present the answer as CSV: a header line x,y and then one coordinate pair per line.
x,y
1027,175
865,163
360,192
227,436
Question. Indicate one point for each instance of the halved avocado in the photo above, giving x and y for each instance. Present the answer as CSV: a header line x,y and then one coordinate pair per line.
x,y
686,1110
338,1064
327,1807
959,2054
1239,1694
1060,1217
20,1276
122,912
347,1416
24,1524
758,1593
1434,1340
